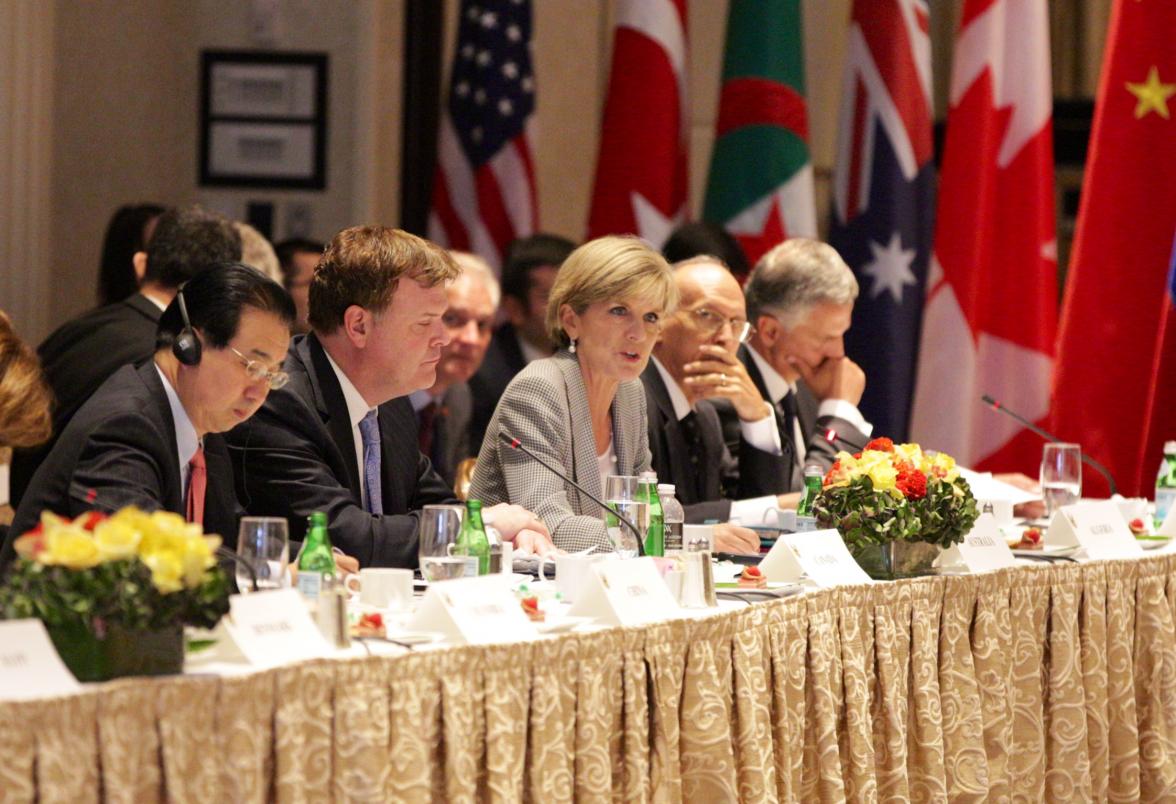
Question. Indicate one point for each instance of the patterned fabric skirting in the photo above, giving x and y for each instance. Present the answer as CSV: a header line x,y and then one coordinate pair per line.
x,y
1052,683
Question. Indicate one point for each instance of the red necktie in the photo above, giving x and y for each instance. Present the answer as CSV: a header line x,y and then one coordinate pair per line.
x,y
197,483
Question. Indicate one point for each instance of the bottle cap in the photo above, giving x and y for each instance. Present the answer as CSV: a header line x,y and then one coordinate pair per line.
x,y
665,488
648,477
813,469
1170,447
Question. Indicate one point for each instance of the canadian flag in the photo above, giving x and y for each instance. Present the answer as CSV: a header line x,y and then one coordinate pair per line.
x,y
991,310
641,175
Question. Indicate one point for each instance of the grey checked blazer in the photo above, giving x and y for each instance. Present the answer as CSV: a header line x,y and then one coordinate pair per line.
x,y
546,408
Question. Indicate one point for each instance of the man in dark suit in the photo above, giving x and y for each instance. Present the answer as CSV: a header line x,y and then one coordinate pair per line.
x,y
527,276
800,301
342,437
82,353
149,435
694,363
443,411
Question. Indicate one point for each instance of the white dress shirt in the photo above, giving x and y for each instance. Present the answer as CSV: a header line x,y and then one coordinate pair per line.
x,y
762,434
187,442
778,388
357,408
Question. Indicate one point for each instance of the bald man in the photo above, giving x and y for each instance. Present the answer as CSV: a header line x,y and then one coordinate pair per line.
x,y
694,361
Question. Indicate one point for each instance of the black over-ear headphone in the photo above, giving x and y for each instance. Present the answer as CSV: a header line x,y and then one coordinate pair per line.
x,y
186,346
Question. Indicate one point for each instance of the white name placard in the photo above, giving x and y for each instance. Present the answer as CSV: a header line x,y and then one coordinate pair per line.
x,y
274,628
1168,526
983,549
1097,527
29,664
474,611
819,554
629,592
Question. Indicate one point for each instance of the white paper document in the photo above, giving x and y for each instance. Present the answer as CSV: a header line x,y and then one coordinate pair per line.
x,y
29,665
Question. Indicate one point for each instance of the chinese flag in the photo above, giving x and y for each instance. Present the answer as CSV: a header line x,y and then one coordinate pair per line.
x,y
1111,344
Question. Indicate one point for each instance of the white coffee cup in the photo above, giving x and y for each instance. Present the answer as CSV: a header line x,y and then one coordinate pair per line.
x,y
571,571
382,587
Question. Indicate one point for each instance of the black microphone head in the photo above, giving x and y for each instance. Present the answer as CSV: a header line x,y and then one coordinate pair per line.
x,y
988,400
508,439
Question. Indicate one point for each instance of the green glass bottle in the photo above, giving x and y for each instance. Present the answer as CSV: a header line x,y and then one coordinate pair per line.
x,y
655,530
316,559
1166,484
472,541
812,487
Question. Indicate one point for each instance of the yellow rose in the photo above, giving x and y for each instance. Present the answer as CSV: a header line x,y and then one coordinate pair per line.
x,y
883,476
117,541
198,557
911,453
166,570
944,466
70,546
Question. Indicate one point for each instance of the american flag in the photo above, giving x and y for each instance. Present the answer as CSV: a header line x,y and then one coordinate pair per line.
x,y
884,188
484,191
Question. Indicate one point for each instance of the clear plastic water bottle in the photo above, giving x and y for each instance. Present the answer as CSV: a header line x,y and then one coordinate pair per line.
x,y
1166,483
673,518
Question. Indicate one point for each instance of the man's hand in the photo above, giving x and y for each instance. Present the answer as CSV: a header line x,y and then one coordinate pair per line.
x,y
789,501
1034,509
509,520
834,378
719,373
736,539
346,564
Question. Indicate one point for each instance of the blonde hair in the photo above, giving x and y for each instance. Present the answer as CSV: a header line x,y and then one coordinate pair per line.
x,y
258,253
24,396
608,268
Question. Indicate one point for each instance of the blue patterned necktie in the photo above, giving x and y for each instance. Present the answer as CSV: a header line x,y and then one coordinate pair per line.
x,y
369,430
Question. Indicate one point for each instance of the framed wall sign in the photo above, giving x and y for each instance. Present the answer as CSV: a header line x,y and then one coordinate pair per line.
x,y
263,119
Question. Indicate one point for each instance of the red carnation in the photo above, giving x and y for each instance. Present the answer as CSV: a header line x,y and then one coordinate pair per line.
x,y
912,483
882,444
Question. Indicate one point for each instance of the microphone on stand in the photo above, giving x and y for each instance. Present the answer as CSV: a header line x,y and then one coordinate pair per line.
x,y
834,437
1086,459
514,443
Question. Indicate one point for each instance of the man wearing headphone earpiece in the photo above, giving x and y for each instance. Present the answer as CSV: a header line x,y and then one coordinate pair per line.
x,y
150,435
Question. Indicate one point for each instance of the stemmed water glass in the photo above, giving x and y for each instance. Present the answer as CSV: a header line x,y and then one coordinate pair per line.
x,y
263,543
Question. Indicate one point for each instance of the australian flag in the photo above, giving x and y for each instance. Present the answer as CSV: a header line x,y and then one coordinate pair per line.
x,y
884,186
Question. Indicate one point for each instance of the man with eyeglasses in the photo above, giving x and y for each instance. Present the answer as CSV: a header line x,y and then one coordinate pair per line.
x,y
693,364
341,437
443,411
800,300
149,436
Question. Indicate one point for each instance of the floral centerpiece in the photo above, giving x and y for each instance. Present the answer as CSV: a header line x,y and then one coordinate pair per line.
x,y
895,505
115,591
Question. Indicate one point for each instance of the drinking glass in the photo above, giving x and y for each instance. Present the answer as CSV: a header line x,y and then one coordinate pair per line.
x,y
621,487
623,540
263,542
621,493
439,528
1061,475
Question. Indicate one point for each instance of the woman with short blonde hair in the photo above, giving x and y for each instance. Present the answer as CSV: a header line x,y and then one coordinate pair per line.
x,y
583,409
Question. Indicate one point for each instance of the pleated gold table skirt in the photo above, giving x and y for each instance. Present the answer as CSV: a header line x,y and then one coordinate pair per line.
x,y
1050,683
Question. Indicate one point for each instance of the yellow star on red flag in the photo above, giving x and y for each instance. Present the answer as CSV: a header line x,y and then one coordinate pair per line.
x,y
1152,95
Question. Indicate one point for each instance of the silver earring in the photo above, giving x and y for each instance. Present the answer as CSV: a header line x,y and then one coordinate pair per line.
x,y
572,346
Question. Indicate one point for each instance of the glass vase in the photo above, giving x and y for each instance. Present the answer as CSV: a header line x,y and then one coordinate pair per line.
x,y
892,560
119,652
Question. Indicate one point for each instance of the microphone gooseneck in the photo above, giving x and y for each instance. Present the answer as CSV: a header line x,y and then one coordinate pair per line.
x,y
997,405
833,437
514,443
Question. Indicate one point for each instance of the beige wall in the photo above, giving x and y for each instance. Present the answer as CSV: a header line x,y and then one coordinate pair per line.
x,y
125,107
